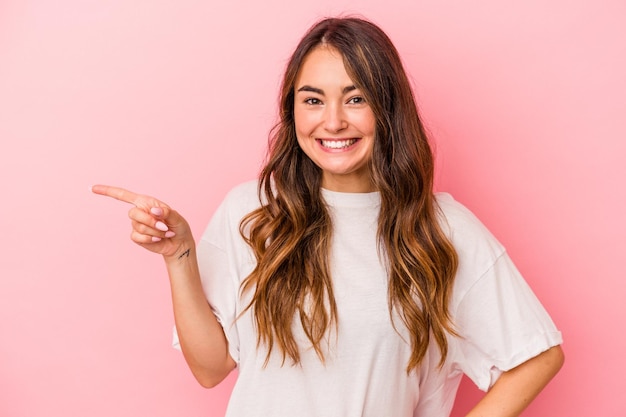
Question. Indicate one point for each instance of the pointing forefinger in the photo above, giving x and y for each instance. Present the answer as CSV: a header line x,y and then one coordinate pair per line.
x,y
116,193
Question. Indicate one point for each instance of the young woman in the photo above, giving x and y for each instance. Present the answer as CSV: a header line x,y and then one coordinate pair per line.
x,y
338,284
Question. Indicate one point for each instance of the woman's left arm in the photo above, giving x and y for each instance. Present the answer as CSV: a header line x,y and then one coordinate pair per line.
x,y
515,389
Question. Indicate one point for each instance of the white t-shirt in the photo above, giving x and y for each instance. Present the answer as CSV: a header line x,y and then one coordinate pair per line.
x,y
501,322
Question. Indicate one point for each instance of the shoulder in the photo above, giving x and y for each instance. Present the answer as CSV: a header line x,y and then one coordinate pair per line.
x,y
246,192
477,248
238,202
462,227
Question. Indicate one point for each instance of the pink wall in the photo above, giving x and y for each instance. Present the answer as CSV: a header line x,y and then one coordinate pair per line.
x,y
525,100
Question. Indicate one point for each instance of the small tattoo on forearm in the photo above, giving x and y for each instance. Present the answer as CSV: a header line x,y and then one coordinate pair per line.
x,y
185,253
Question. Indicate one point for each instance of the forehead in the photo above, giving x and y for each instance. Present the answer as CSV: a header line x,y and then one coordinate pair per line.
x,y
323,65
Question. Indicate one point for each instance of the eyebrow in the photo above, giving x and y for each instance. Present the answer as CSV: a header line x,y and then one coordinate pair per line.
x,y
321,92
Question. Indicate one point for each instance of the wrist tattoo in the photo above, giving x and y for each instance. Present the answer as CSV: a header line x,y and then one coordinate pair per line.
x,y
185,253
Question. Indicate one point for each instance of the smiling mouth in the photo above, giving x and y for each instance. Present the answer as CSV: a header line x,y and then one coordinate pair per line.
x,y
337,144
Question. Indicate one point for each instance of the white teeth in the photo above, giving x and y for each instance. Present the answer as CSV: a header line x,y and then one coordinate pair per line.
x,y
337,144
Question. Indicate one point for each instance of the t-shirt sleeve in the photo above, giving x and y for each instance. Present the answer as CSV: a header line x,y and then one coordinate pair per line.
x,y
221,291
223,259
501,323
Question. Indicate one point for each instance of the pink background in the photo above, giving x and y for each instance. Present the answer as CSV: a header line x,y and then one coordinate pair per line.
x,y
526,102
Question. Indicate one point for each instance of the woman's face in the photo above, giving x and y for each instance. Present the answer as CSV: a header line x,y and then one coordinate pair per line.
x,y
335,126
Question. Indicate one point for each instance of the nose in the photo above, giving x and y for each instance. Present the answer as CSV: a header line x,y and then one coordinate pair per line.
x,y
334,118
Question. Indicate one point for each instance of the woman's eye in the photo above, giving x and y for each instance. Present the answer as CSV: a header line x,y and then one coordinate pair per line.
x,y
356,100
312,101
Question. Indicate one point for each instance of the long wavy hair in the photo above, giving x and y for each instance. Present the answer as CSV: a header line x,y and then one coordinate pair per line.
x,y
290,233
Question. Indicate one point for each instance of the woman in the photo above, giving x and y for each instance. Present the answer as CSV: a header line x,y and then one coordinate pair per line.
x,y
338,284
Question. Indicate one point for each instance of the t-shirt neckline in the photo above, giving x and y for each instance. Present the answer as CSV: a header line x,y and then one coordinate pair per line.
x,y
341,199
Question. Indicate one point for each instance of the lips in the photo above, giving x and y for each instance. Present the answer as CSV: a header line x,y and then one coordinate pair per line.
x,y
337,144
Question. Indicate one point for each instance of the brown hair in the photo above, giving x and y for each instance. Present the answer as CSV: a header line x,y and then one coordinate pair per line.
x,y
290,234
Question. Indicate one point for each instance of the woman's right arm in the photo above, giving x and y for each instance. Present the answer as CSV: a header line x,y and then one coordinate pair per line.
x,y
158,228
202,338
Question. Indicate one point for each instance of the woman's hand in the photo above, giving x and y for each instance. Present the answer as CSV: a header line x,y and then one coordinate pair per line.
x,y
162,230
155,226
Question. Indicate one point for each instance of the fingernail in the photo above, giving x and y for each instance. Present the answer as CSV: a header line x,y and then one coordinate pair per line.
x,y
169,233
157,211
156,239
161,226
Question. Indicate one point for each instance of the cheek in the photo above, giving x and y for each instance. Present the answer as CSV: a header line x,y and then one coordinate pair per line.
x,y
365,122
302,138
370,123
301,143
302,123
